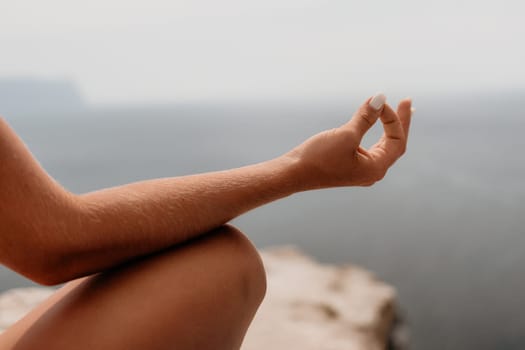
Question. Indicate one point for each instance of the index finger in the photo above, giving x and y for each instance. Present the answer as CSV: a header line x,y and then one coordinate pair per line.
x,y
366,115
392,125
393,141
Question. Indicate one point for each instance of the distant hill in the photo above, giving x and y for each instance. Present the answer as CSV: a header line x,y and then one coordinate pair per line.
x,y
20,96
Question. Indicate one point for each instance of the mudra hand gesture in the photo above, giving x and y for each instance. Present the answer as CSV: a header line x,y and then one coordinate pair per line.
x,y
335,158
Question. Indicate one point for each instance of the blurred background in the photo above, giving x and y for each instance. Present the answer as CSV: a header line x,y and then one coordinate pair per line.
x,y
106,92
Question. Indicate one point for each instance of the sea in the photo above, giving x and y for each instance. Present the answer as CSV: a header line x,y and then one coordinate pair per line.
x,y
446,226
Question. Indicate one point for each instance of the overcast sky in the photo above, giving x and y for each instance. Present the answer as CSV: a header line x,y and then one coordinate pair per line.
x,y
120,51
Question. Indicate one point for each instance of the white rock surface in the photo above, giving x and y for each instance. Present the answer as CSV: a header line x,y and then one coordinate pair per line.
x,y
308,306
15,303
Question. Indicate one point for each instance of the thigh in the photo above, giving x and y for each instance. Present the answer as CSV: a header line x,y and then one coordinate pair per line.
x,y
202,294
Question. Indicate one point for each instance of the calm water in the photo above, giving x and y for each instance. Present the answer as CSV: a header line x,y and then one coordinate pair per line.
x,y
446,226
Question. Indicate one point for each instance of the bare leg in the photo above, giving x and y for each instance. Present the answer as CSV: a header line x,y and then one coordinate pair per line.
x,y
202,294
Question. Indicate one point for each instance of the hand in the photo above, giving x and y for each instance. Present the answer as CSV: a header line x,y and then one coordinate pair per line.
x,y
335,158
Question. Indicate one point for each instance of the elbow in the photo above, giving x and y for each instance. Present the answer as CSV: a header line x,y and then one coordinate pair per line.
x,y
42,270
44,262
36,272
49,276
51,280
58,267
41,262
45,278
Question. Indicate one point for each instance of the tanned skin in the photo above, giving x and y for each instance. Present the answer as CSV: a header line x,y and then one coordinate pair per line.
x,y
51,235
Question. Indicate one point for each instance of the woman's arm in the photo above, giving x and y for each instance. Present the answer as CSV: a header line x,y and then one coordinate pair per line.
x,y
67,236
36,213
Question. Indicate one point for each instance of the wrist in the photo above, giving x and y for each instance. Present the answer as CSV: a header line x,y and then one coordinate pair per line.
x,y
291,172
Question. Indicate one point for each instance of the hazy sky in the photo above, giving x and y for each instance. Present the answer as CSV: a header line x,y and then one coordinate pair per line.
x,y
155,50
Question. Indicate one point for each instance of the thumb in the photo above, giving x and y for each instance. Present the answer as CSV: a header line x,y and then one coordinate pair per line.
x,y
367,115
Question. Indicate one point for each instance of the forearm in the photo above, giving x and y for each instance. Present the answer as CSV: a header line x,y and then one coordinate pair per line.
x,y
51,235
127,221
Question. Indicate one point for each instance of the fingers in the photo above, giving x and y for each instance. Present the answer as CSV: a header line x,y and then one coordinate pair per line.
x,y
396,126
392,125
404,111
366,115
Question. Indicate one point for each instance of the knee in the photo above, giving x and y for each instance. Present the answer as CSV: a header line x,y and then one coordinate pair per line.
x,y
249,268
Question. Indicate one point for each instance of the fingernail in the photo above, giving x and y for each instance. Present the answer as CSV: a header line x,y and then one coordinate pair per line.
x,y
378,101
412,110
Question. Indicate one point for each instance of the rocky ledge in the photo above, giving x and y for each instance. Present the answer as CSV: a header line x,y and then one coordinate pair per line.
x,y
308,306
